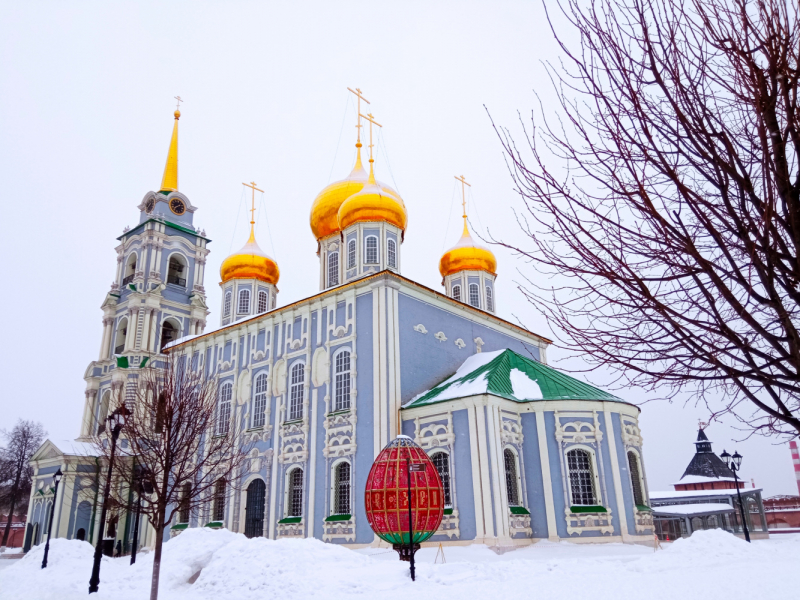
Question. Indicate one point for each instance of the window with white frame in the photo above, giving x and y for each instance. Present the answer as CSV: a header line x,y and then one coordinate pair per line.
x,y
489,299
333,269
341,489
441,460
512,481
581,478
351,254
226,306
636,478
244,302
474,295
342,380
263,299
295,507
457,292
224,408
371,250
296,391
218,511
391,254
259,400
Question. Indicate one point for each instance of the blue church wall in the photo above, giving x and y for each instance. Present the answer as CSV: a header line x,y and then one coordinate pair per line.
x,y
533,475
556,476
625,474
495,516
365,450
462,464
611,499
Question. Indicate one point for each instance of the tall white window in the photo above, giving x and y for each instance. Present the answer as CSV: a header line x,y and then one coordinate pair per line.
x,y
371,250
224,408
260,400
226,306
218,508
263,298
512,486
342,372
341,489
474,295
351,254
441,460
581,478
296,391
457,292
636,478
391,254
333,269
295,508
489,299
244,302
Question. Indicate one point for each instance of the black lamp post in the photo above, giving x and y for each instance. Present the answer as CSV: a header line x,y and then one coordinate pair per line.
x,y
116,421
144,485
57,478
734,463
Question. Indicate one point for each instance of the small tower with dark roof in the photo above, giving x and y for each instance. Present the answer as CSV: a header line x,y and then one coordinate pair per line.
x,y
706,470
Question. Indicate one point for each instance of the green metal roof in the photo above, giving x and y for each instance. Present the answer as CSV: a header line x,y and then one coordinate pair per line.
x,y
509,375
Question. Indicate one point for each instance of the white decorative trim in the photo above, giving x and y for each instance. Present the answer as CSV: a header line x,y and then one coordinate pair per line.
x,y
339,530
420,328
460,343
439,335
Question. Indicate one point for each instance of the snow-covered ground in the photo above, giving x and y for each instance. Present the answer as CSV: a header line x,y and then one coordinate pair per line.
x,y
710,565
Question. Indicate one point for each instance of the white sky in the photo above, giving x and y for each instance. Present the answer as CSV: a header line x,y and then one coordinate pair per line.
x,y
85,117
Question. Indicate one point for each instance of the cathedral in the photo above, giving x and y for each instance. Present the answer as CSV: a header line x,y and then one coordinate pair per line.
x,y
319,385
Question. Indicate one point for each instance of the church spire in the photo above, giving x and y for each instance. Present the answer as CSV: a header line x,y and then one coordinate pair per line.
x,y
169,183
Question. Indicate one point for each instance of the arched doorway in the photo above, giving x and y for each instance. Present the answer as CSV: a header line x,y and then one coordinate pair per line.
x,y
254,509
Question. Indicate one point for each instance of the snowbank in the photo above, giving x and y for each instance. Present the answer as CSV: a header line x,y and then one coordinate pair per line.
x,y
711,565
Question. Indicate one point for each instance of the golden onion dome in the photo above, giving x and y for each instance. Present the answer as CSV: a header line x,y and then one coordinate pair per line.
x,y
324,210
466,255
375,202
251,262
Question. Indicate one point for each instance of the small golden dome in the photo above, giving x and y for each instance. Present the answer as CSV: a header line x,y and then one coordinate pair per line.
x,y
375,202
177,114
251,262
466,255
324,210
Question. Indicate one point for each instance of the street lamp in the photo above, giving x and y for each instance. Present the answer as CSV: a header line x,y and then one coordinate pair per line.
x,y
144,485
57,478
734,463
116,421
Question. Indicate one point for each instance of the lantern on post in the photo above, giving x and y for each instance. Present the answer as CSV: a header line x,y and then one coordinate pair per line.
x,y
404,497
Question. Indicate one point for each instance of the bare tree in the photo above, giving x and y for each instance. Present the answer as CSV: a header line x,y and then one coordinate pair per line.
x,y
181,440
16,473
663,201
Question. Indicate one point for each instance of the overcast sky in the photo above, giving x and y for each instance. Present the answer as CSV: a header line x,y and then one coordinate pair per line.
x,y
86,102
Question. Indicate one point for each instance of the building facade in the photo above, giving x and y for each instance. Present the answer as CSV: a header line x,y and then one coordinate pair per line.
x,y
320,385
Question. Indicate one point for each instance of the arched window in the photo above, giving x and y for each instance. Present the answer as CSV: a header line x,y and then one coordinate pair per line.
x,y
512,486
169,333
295,508
224,408
341,489
333,269
263,299
296,391
441,460
342,383
636,479
391,254
351,254
581,478
185,503
176,273
130,269
102,413
260,400
244,302
457,292
272,302
254,509
474,295
121,337
371,250
489,299
219,501
226,306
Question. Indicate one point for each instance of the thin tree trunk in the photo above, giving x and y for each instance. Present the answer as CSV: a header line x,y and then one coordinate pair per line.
x,y
14,492
157,559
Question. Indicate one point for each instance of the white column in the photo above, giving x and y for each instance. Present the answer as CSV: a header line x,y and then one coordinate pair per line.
x,y
106,334
153,326
130,338
622,510
148,315
547,479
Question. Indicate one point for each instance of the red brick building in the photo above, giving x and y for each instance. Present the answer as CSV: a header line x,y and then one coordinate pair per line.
x,y
17,533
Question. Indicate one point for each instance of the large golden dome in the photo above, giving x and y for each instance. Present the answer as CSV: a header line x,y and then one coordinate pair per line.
x,y
466,255
375,202
251,262
324,210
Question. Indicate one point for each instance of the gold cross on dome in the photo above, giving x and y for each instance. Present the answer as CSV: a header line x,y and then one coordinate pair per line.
x,y
463,196
357,92
252,185
178,105
371,118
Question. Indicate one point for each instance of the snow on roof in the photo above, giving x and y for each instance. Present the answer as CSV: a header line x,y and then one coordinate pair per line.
x,y
697,493
692,509
701,479
509,375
